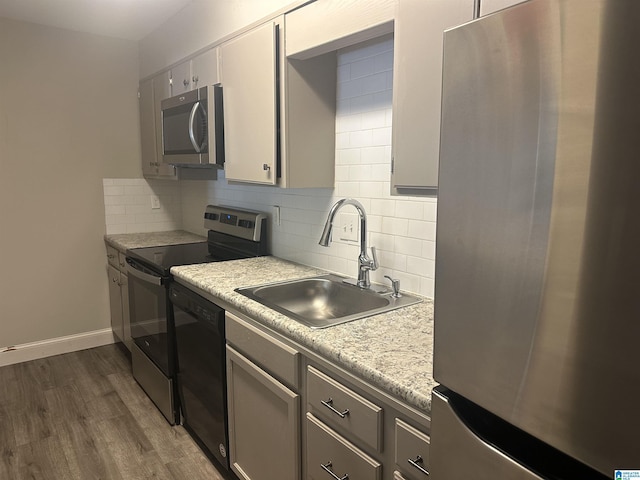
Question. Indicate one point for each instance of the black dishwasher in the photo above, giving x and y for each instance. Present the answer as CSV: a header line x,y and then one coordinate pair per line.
x,y
200,343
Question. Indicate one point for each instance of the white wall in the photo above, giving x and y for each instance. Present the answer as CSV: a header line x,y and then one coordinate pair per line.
x,y
402,228
199,24
68,118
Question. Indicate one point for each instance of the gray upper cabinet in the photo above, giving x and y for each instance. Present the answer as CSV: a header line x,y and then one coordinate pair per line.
x,y
151,92
249,71
204,69
147,128
200,71
279,114
181,78
417,85
491,6
328,25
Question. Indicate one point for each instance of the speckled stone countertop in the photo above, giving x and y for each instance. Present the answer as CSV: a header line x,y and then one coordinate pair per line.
x,y
123,241
392,351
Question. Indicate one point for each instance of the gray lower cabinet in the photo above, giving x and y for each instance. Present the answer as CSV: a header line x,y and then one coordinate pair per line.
x,y
412,451
331,456
119,296
115,303
264,422
293,414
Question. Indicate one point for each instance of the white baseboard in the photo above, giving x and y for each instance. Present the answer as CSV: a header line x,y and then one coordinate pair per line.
x,y
54,346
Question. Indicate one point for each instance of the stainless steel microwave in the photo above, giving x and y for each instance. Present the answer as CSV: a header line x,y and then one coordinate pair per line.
x,y
192,128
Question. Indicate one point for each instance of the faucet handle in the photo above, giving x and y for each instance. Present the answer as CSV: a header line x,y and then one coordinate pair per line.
x,y
374,263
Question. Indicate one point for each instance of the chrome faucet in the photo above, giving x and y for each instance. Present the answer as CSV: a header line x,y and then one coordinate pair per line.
x,y
365,264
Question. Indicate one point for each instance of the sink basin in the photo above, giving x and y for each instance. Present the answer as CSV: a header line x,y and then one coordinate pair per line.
x,y
325,300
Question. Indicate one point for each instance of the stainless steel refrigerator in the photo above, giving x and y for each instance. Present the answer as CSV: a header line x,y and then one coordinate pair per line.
x,y
537,292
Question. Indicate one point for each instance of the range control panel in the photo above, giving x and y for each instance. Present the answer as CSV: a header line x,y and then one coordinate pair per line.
x,y
234,221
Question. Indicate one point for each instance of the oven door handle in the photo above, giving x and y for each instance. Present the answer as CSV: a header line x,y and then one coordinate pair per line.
x,y
145,277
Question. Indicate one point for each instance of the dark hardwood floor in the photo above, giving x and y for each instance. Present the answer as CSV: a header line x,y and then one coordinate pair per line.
x,y
82,416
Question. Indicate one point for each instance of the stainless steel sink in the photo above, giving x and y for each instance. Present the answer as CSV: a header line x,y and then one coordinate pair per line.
x,y
325,300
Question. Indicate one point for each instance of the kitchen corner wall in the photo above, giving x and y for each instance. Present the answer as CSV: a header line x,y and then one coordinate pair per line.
x,y
401,228
68,119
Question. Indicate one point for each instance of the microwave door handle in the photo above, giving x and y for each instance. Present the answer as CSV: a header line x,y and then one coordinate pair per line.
x,y
192,136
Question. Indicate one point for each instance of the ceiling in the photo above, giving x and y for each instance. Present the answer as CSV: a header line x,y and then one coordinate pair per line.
x,y
129,19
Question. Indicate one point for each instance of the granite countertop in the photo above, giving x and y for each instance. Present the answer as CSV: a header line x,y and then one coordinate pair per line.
x,y
392,351
123,241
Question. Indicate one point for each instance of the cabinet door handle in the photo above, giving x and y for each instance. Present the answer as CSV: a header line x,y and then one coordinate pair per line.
x,y
327,468
266,167
329,404
185,82
418,463
111,255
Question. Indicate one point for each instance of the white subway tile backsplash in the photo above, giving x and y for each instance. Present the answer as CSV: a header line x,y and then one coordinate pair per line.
x,y
409,246
128,205
349,156
395,226
374,119
363,68
429,249
361,138
113,190
381,136
373,155
410,209
385,208
383,62
343,73
421,229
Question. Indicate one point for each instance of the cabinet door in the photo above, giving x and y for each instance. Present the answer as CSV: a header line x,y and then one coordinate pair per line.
x,y
491,6
115,303
181,78
126,322
204,69
147,128
264,423
248,71
417,87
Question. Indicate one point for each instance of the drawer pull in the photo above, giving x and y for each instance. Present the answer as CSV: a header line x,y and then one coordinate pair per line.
x,y
327,468
329,404
418,463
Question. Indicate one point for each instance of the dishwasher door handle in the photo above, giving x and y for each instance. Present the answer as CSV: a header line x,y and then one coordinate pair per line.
x,y
145,277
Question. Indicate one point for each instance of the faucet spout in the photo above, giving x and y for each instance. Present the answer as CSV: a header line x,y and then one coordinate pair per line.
x,y
365,264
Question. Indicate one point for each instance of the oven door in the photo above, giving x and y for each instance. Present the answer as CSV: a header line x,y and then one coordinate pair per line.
x,y
148,299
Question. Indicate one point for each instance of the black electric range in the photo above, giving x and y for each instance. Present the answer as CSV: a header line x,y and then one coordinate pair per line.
x,y
233,234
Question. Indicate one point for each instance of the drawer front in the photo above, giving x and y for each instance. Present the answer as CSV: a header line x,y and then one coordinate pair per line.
x,y
343,409
275,357
112,256
412,451
331,457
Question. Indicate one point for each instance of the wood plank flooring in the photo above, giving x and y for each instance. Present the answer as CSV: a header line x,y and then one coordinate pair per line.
x,y
82,416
